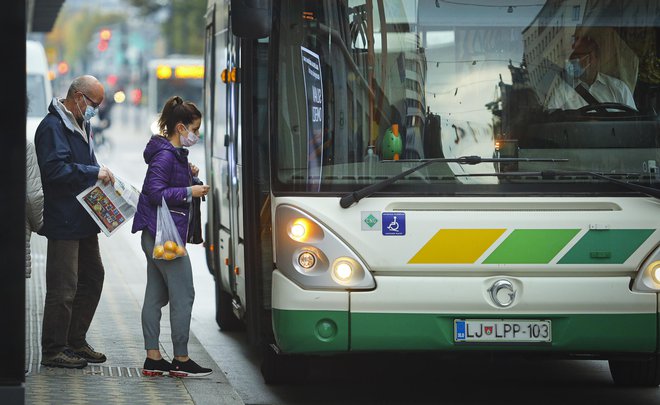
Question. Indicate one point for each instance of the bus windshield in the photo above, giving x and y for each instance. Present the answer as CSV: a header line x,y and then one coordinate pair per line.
x,y
368,89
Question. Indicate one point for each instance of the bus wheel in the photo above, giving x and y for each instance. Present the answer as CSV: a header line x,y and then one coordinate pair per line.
x,y
278,368
224,314
636,373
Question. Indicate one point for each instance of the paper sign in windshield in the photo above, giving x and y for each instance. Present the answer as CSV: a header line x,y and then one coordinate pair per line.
x,y
311,65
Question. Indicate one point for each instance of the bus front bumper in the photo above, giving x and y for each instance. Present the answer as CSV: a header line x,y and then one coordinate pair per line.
x,y
588,315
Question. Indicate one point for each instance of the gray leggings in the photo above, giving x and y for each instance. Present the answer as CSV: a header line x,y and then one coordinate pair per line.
x,y
167,281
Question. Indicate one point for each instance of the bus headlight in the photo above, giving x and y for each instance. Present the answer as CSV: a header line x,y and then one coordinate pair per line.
x,y
307,260
304,230
655,271
348,272
342,271
312,256
297,231
648,276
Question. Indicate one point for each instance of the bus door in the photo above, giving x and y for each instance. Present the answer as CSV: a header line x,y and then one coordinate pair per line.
x,y
235,175
224,231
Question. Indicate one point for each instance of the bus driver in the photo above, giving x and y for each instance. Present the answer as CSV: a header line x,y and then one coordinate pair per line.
x,y
585,84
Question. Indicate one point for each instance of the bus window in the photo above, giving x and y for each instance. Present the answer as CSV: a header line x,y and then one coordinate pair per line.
x,y
368,86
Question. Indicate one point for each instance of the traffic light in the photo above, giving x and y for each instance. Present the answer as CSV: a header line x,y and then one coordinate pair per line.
x,y
105,34
112,80
104,37
136,96
62,68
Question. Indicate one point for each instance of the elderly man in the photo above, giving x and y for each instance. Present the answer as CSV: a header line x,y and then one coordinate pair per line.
x,y
74,272
585,84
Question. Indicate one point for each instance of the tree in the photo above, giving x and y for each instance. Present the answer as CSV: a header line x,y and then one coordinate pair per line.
x,y
183,26
73,31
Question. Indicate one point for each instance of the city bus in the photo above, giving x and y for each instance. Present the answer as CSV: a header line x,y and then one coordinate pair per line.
x,y
174,75
401,176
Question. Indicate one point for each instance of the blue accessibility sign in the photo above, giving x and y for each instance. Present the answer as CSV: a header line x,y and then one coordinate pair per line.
x,y
393,223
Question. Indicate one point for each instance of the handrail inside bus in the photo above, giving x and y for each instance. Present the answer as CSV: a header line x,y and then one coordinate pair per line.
x,y
347,54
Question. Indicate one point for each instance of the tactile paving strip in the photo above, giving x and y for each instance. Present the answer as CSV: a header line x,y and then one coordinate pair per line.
x,y
116,329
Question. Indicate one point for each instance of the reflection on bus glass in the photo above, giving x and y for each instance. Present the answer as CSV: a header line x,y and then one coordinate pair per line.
x,y
566,80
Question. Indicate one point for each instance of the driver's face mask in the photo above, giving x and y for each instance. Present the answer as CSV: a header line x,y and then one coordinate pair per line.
x,y
574,68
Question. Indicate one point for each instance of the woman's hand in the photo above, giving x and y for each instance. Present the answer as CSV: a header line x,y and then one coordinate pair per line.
x,y
194,169
200,190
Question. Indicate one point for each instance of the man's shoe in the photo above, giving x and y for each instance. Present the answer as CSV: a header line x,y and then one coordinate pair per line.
x,y
188,369
64,359
154,368
88,353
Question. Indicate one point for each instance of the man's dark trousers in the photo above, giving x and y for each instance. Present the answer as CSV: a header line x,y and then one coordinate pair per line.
x,y
74,280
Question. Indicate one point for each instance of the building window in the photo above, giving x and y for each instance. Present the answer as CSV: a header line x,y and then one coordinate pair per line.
x,y
576,13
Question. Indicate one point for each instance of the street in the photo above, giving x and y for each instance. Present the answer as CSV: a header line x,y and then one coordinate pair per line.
x,y
391,379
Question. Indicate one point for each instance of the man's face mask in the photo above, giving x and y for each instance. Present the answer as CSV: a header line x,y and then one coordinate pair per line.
x,y
90,111
574,68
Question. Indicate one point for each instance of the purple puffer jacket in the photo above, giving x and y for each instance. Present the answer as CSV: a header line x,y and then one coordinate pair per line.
x,y
168,176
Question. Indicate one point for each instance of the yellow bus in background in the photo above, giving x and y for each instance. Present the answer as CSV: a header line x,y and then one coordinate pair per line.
x,y
174,75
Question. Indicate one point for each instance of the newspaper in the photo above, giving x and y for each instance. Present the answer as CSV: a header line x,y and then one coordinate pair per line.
x,y
110,206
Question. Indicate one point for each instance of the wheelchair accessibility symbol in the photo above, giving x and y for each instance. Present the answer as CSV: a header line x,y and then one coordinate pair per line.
x,y
393,223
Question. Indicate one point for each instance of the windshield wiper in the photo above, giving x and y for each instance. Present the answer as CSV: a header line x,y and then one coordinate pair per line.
x,y
355,196
550,174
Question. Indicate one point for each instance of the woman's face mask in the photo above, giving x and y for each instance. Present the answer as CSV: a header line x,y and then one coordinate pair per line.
x,y
190,139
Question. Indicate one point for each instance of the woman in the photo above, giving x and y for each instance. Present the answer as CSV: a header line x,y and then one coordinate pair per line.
x,y
169,176
34,202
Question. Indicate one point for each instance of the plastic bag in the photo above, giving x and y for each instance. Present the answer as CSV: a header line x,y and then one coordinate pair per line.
x,y
168,245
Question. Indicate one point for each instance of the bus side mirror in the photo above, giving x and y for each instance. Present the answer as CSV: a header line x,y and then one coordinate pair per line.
x,y
251,18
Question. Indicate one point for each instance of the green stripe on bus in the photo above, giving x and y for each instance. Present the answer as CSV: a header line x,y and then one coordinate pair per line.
x,y
588,333
607,246
310,331
531,246
297,332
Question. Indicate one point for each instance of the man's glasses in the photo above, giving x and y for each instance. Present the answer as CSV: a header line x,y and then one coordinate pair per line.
x,y
94,104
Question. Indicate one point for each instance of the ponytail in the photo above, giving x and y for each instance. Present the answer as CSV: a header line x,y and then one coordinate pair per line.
x,y
174,111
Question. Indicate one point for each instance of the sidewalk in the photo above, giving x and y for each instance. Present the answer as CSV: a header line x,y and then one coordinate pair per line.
x,y
116,331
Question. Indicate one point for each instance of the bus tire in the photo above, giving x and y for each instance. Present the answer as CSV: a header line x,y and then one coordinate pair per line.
x,y
224,314
278,368
636,373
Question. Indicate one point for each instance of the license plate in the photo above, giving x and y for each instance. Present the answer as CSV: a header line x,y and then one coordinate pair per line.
x,y
502,330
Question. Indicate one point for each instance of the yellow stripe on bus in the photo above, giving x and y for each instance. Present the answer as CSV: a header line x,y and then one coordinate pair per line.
x,y
456,246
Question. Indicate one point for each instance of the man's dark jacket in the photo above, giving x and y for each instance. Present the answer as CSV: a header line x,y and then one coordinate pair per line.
x,y
68,166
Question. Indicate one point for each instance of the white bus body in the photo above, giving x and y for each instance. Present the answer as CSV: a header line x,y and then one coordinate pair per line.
x,y
527,229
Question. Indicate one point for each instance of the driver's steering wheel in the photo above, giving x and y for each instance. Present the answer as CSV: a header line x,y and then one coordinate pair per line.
x,y
602,107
